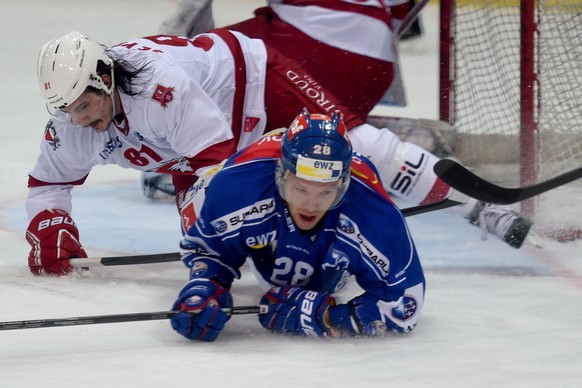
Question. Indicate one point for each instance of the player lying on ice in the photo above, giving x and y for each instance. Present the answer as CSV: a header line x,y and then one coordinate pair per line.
x,y
309,214
173,105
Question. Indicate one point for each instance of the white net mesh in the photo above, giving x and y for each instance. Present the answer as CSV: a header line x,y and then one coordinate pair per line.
x,y
486,69
486,72
560,74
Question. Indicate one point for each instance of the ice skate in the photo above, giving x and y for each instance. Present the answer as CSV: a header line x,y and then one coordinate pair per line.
x,y
500,221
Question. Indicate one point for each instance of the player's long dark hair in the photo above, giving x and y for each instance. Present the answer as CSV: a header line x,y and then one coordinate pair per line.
x,y
129,79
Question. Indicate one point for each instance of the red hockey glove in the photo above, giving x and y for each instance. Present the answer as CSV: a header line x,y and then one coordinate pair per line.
x,y
54,239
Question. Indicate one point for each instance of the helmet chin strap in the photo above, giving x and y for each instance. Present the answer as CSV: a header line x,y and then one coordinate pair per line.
x,y
111,91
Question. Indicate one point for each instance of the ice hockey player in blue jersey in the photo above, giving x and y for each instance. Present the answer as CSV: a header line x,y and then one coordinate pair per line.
x,y
308,213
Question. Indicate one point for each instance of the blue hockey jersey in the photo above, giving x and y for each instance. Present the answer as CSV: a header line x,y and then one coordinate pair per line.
x,y
243,217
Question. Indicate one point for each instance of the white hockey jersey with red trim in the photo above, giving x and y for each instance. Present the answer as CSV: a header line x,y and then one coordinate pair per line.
x,y
186,107
195,100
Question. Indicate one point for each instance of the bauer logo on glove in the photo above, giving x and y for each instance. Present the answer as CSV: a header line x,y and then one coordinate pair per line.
x,y
56,221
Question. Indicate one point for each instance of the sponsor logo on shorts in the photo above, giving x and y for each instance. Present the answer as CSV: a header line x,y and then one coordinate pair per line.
x,y
408,175
312,90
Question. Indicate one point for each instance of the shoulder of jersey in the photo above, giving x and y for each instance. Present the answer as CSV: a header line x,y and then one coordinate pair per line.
x,y
266,148
364,171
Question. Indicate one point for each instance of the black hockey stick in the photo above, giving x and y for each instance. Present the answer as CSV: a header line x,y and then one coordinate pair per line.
x,y
410,18
429,207
125,260
175,256
117,318
466,182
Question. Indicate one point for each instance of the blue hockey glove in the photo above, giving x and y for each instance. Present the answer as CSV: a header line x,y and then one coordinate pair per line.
x,y
359,316
201,302
296,311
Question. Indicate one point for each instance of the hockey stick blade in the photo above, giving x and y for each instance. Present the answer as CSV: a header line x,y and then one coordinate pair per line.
x,y
175,256
466,182
118,318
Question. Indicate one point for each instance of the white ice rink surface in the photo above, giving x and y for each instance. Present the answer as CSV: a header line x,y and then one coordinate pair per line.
x,y
494,316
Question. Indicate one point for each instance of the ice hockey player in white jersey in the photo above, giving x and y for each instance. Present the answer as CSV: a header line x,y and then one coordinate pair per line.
x,y
309,214
195,16
174,105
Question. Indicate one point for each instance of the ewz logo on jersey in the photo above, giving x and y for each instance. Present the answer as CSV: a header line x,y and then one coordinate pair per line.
x,y
258,242
408,174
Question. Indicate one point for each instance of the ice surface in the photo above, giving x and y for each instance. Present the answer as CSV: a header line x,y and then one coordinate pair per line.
x,y
494,316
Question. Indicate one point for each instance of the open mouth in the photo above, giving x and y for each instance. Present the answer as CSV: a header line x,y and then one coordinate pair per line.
x,y
307,219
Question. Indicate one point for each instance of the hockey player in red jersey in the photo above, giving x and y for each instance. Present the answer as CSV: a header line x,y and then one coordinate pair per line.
x,y
174,105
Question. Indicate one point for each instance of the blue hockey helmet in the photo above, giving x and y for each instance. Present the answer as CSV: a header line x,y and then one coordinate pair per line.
x,y
316,148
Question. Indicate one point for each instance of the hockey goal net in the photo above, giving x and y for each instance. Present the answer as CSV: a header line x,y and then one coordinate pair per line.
x,y
511,85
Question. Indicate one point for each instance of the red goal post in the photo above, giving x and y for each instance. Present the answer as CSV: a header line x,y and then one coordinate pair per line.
x,y
511,86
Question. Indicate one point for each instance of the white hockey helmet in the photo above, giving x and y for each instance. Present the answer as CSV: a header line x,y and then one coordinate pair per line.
x,y
67,65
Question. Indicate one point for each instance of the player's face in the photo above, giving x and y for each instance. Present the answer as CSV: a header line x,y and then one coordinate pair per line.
x,y
91,109
308,201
